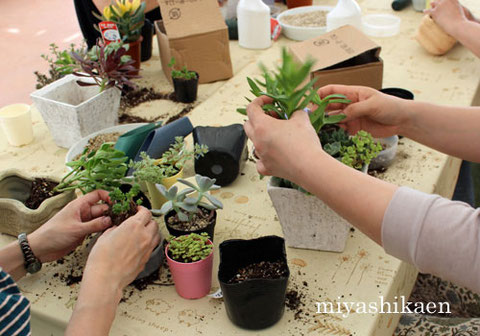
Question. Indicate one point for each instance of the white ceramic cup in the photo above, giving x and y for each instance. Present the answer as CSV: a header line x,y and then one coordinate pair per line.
x,y
16,123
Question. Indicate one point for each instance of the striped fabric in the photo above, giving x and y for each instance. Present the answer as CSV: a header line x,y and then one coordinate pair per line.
x,y
14,308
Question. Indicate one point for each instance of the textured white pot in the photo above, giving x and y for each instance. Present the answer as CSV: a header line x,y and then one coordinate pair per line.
x,y
306,221
72,112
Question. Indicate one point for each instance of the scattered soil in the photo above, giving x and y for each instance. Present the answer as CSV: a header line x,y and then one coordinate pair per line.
x,y
139,96
96,142
182,113
40,190
261,270
129,119
377,172
199,221
294,302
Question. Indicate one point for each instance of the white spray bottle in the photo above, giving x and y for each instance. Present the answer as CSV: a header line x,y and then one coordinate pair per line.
x,y
346,12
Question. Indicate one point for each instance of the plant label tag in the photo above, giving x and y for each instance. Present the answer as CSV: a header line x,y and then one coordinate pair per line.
x,y
217,295
109,32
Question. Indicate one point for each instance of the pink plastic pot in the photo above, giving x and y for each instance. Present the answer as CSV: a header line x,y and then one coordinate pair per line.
x,y
192,280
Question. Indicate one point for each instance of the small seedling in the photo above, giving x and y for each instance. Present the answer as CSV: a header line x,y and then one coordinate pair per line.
x,y
183,73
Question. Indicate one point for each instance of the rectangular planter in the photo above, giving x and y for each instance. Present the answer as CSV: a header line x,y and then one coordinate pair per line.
x,y
72,112
306,221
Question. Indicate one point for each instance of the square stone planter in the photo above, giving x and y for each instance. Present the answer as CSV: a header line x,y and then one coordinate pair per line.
x,y
15,216
72,112
306,221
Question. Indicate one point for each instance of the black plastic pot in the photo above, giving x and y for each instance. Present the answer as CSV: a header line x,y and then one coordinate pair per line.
x,y
398,92
255,303
210,228
227,152
185,90
146,47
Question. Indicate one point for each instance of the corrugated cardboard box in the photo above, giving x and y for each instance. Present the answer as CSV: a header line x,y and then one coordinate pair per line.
x,y
194,32
343,56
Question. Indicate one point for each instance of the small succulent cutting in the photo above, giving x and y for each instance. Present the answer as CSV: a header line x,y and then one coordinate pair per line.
x,y
184,203
189,248
108,65
182,73
289,95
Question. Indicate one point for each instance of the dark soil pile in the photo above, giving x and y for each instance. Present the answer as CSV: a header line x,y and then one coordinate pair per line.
x,y
136,97
129,119
261,270
199,221
294,302
118,219
181,114
40,190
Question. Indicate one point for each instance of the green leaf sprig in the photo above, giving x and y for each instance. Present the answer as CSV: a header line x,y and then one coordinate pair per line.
x,y
285,88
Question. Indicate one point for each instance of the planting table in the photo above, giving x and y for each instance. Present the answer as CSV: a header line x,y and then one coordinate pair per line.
x,y
362,273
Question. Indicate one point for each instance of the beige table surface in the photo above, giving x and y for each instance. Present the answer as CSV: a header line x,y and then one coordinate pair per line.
x,y
363,272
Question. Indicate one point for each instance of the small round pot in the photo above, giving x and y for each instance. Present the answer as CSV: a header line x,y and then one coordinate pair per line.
x,y
398,92
156,198
209,229
147,34
298,3
386,156
254,303
192,280
134,51
185,90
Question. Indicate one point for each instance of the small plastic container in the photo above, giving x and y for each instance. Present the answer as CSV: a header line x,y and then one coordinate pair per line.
x,y
381,25
386,156
16,121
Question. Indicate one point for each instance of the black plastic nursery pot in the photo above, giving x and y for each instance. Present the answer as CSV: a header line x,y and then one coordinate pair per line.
x,y
185,90
254,303
146,47
227,152
209,229
398,92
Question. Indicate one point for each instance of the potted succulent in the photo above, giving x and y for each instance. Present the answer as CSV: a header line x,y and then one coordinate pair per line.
x,y
185,83
165,170
26,202
186,211
105,169
227,152
129,16
190,259
253,275
306,221
68,105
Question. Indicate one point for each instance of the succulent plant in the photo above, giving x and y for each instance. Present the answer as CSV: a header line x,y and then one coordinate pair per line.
x,y
123,202
189,248
182,73
284,87
361,151
108,65
186,205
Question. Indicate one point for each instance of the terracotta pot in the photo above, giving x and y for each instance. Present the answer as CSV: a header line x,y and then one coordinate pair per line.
x,y
192,280
156,198
15,216
134,51
298,3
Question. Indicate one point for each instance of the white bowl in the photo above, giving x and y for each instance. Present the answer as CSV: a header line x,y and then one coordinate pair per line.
x,y
381,25
78,147
302,33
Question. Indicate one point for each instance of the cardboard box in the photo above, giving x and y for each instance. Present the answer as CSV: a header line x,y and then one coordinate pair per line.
x,y
194,32
343,56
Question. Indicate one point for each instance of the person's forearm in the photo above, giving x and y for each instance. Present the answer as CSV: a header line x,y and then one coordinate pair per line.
x,y
467,32
451,130
12,261
359,198
95,309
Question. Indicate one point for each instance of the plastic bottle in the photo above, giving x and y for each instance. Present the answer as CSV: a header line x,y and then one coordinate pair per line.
x,y
346,12
253,24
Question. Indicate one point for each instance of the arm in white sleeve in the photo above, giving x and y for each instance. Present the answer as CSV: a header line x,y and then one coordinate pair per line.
x,y
438,236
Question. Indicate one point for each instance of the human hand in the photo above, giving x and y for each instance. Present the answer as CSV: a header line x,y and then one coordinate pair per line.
x,y
449,14
370,110
283,147
68,228
121,253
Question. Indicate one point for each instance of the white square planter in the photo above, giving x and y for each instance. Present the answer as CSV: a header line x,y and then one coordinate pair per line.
x,y
72,112
306,221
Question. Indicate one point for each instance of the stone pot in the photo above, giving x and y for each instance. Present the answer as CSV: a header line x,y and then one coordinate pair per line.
x,y
69,109
15,216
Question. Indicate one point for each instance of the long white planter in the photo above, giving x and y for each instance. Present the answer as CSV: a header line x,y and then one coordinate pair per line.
x,y
306,221
72,112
